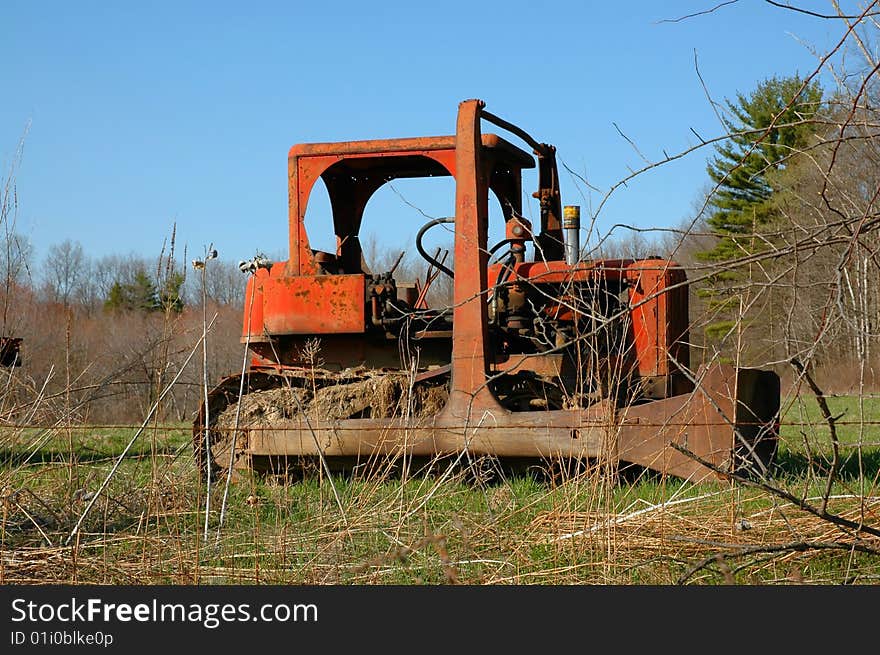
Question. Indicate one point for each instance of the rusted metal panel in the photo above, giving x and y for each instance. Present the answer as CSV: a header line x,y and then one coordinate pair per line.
x,y
659,302
550,366
691,421
710,422
470,318
327,304
562,433
370,437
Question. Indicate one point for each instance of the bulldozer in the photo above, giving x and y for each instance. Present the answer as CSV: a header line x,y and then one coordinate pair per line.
x,y
541,354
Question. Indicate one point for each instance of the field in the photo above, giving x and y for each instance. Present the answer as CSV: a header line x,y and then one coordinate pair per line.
x,y
471,524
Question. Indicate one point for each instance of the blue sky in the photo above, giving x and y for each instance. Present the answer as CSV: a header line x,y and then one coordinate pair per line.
x,y
143,115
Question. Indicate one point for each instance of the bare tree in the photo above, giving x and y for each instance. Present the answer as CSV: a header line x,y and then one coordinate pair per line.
x,y
66,272
225,285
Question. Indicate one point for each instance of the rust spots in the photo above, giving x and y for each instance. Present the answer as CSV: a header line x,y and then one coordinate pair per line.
x,y
313,304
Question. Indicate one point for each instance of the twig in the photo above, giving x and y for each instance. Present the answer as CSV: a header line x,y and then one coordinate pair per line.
x,y
766,486
632,515
247,346
210,253
698,13
36,524
797,546
816,14
830,419
631,142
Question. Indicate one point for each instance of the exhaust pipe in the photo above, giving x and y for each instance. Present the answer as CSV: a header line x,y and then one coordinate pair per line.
x,y
571,226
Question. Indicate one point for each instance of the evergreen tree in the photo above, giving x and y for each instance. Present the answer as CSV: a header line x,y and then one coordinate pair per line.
x,y
170,297
142,295
768,127
744,164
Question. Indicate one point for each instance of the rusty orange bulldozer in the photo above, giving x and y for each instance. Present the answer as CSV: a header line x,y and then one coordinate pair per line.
x,y
541,354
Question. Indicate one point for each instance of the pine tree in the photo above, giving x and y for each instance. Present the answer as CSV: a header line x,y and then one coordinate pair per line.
x,y
768,127
143,293
744,163
169,298
138,295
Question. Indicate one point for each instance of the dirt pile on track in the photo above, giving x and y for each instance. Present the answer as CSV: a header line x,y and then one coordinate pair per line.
x,y
376,396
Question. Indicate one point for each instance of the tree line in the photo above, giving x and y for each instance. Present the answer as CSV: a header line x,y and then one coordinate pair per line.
x,y
68,276
102,335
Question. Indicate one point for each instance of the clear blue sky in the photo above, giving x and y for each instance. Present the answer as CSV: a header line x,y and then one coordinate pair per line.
x,y
142,115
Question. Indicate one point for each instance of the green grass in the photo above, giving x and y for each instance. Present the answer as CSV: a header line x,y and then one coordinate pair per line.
x,y
857,421
433,527
805,437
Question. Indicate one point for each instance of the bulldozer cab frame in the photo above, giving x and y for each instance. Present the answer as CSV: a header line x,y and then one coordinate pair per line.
x,y
353,171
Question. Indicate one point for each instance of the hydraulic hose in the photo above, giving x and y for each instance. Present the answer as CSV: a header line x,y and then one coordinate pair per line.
x,y
427,226
498,245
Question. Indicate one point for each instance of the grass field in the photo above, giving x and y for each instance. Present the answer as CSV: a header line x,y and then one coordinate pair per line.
x,y
471,525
